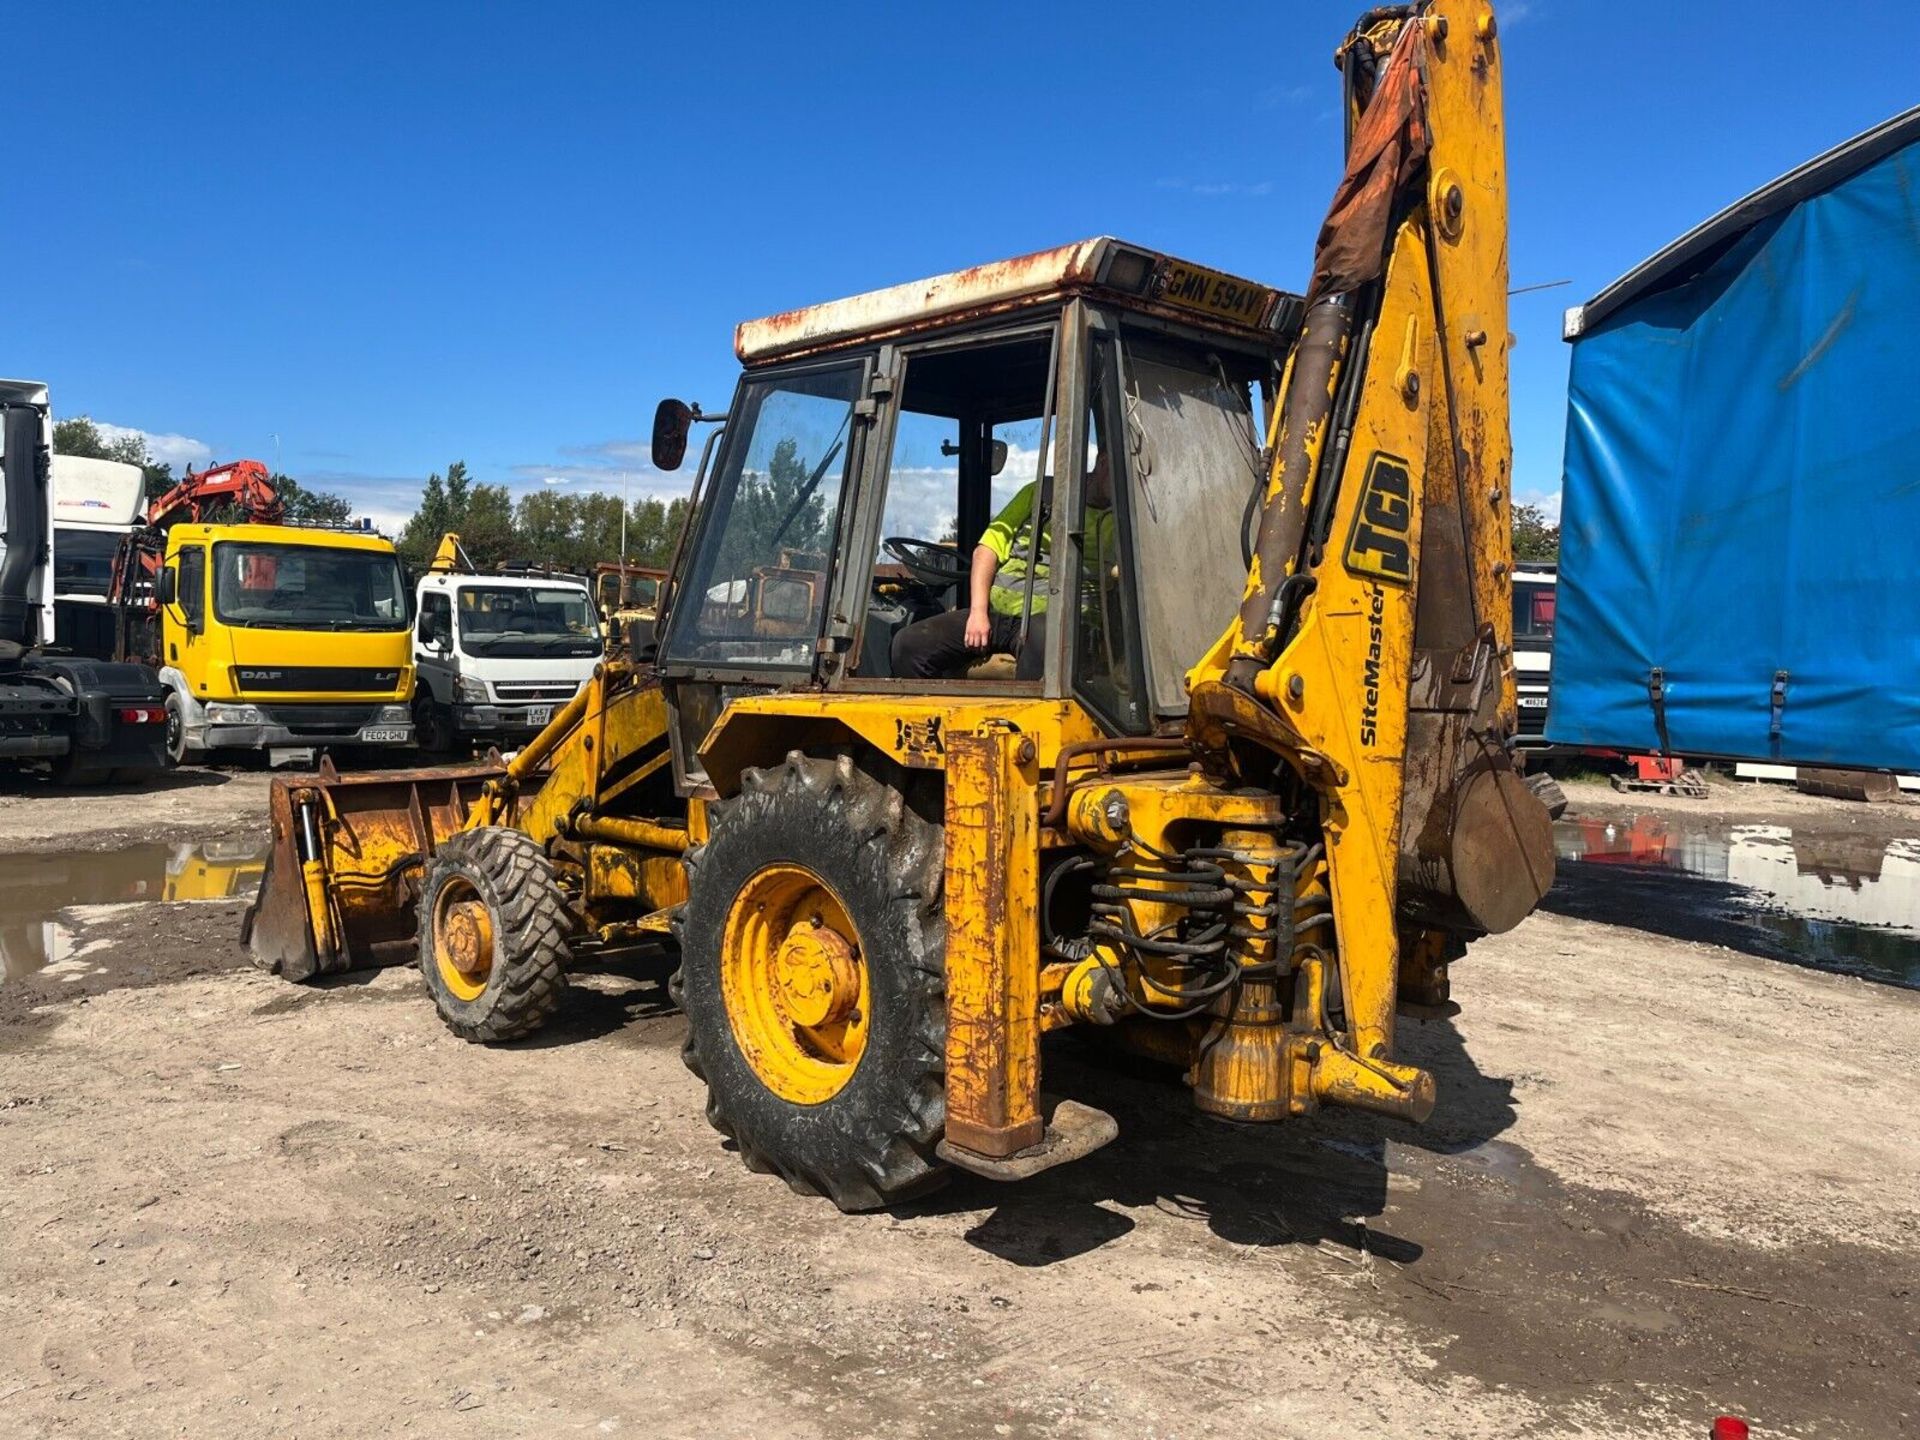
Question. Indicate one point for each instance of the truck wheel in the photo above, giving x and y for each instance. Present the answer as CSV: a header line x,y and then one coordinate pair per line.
x,y
493,935
176,732
813,973
432,726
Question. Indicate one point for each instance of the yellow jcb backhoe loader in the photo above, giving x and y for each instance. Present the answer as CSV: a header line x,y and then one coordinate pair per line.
x,y
1244,850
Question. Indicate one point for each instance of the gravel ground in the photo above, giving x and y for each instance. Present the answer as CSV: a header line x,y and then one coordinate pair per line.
x,y
1664,1180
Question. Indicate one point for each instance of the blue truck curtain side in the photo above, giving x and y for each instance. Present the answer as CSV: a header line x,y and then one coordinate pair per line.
x,y
1741,503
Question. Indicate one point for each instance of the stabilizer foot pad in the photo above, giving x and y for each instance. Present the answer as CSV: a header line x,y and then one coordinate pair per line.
x,y
1074,1131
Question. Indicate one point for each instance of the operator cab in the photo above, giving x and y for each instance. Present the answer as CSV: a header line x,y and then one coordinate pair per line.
x,y
1113,397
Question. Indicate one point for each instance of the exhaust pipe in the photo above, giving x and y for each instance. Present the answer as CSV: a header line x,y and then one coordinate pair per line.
x,y
26,466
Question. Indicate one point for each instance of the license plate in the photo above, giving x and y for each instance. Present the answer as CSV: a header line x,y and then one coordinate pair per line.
x,y
1193,287
380,735
540,715
1533,702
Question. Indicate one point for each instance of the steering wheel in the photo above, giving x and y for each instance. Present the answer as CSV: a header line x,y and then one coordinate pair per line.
x,y
929,562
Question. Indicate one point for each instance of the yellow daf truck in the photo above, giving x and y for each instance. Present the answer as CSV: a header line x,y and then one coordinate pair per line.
x,y
284,638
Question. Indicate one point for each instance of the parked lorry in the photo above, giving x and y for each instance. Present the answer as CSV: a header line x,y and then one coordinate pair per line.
x,y
1740,504
496,655
89,719
286,638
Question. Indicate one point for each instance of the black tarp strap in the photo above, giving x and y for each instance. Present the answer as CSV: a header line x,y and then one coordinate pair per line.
x,y
1657,697
1779,710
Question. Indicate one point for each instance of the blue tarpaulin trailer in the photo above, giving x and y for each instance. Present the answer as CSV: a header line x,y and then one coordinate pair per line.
x,y
1740,518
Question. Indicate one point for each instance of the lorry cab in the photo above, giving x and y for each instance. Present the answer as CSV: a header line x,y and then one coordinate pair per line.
x,y
97,504
286,638
1118,394
1535,592
497,655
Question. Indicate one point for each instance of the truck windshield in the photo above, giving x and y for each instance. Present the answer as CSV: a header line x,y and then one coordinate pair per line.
x,y
1533,605
307,587
523,620
83,561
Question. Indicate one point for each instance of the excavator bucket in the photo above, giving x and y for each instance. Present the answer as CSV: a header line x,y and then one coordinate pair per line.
x,y
345,865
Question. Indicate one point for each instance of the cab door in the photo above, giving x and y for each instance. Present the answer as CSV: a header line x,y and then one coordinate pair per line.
x,y
184,623
750,609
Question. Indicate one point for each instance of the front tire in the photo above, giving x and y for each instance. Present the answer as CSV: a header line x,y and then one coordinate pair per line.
x,y
176,732
494,933
813,973
432,726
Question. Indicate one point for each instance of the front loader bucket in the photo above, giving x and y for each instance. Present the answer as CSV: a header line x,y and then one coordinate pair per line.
x,y
344,869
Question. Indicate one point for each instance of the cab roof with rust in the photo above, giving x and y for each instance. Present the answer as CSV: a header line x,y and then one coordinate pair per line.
x,y
1128,274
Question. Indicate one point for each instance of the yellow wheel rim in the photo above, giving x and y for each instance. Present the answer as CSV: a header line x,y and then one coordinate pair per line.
x,y
462,939
794,980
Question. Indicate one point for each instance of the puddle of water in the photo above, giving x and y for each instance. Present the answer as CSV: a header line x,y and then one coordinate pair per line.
x,y
1832,900
36,890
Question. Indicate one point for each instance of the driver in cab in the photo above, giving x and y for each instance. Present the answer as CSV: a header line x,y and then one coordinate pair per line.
x,y
942,647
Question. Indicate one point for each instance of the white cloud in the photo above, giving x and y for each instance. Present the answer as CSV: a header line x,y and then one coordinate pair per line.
x,y
1546,501
1216,189
179,451
1515,11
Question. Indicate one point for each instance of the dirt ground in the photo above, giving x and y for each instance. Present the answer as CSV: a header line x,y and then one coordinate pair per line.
x,y
1665,1180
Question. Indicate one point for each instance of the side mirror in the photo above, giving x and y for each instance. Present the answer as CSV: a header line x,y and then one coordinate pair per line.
x,y
166,586
672,421
999,456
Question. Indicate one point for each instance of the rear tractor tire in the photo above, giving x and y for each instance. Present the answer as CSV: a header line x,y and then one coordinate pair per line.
x,y
813,974
493,935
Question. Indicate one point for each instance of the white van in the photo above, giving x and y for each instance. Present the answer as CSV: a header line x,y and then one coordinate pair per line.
x,y
496,656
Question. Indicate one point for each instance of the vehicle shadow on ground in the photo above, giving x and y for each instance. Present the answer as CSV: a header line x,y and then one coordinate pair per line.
x,y
1317,1181
33,786
606,995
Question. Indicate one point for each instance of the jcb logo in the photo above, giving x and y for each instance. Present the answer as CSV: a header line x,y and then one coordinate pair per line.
x,y
1381,545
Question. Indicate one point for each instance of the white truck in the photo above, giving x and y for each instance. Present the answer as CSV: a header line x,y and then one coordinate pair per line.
x,y
1535,590
96,505
496,655
89,720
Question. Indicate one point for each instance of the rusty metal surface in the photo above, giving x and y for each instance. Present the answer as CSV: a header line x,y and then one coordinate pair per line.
x,y
376,831
982,291
919,303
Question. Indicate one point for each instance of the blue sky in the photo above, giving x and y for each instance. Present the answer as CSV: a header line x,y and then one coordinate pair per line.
x,y
399,235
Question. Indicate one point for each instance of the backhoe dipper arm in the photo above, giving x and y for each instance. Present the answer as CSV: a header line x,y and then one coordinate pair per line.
x,y
1372,651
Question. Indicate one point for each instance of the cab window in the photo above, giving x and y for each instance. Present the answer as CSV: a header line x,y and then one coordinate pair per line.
x,y
191,586
436,617
758,580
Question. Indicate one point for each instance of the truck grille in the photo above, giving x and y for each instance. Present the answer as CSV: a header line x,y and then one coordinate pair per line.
x,y
316,677
561,693
321,719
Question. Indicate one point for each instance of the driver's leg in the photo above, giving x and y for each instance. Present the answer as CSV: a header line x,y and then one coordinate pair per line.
x,y
934,648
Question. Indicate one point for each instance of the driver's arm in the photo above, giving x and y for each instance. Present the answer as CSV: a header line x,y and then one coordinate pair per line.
x,y
986,564
996,544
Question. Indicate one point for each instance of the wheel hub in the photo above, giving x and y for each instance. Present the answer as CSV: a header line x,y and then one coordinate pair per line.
x,y
469,937
794,984
815,971
463,940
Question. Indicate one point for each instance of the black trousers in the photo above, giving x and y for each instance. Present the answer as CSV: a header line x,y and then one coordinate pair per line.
x,y
936,648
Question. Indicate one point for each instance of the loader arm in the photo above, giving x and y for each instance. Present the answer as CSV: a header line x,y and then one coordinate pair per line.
x,y
1372,654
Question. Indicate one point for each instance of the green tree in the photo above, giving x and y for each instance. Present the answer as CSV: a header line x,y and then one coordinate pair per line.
x,y
480,514
773,512
1534,537
311,507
